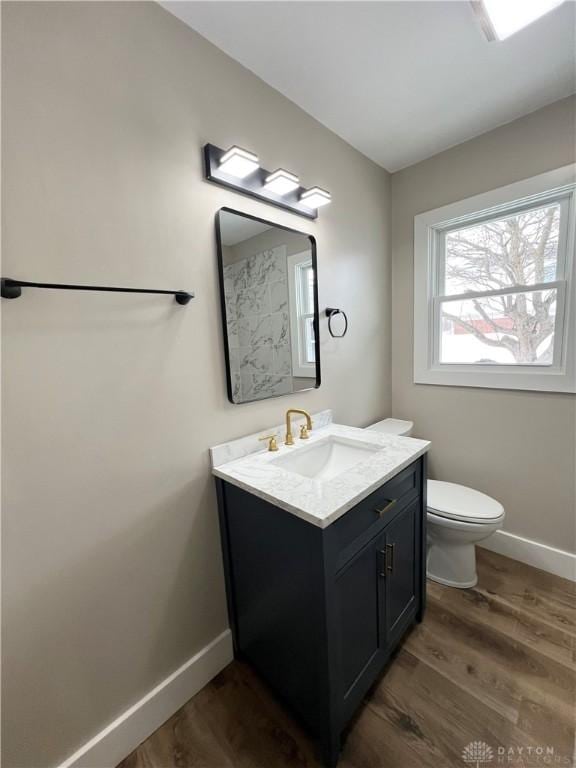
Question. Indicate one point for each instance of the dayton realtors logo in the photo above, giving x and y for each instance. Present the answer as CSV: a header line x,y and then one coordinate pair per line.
x,y
477,753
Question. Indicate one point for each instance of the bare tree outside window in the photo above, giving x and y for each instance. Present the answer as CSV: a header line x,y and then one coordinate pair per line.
x,y
496,258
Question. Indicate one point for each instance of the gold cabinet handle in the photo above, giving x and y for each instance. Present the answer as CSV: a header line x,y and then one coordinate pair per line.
x,y
382,567
390,560
382,510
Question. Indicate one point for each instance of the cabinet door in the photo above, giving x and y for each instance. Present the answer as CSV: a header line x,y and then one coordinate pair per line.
x,y
360,597
401,571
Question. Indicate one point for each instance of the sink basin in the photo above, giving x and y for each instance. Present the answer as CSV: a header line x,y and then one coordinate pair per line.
x,y
326,458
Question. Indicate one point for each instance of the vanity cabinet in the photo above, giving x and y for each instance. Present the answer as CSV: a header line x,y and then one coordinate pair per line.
x,y
375,594
318,611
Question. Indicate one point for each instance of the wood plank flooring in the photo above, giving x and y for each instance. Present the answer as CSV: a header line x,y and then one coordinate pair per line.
x,y
495,664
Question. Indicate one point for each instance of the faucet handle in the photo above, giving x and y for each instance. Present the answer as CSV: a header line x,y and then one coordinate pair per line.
x,y
272,444
304,432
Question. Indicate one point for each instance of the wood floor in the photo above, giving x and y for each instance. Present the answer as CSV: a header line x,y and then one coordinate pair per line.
x,y
494,664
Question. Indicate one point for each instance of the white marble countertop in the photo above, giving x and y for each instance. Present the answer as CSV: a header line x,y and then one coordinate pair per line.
x,y
318,502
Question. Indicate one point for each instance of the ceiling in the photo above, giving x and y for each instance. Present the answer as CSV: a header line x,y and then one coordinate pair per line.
x,y
398,80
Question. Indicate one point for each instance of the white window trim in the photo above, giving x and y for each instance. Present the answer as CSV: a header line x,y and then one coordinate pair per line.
x,y
429,226
300,368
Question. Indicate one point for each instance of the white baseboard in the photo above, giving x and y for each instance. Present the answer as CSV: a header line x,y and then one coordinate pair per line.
x,y
120,737
542,556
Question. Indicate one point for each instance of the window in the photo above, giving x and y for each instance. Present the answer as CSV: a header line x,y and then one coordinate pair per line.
x,y
494,290
301,292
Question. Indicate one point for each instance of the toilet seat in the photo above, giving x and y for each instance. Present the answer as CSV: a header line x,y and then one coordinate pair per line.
x,y
457,502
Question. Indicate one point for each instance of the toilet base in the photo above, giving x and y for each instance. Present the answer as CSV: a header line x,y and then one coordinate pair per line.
x,y
451,556
452,564
447,583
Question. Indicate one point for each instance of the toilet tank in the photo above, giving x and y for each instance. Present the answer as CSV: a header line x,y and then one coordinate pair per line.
x,y
393,427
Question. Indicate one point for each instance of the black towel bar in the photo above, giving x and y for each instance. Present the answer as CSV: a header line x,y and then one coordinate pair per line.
x,y
12,289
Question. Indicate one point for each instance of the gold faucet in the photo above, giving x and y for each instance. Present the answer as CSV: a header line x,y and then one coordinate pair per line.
x,y
303,429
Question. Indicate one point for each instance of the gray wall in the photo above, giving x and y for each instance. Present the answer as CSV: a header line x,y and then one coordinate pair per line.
x,y
112,570
516,446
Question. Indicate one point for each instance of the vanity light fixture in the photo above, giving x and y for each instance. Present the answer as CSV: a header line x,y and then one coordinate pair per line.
x,y
502,18
281,182
240,170
315,197
239,162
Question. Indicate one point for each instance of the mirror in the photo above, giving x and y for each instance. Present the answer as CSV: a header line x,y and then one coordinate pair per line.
x,y
268,288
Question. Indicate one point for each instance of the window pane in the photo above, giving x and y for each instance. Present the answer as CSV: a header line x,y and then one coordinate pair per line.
x,y
307,288
500,330
310,349
310,289
519,250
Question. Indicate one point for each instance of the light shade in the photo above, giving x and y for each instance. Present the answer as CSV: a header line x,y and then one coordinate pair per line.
x,y
505,17
281,182
315,197
239,162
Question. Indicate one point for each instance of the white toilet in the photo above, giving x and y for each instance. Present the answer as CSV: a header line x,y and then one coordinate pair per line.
x,y
458,518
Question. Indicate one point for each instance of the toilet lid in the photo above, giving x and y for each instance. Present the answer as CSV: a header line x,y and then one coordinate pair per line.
x,y
460,503
393,426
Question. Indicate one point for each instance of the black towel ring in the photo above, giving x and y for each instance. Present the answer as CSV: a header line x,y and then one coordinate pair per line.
x,y
330,312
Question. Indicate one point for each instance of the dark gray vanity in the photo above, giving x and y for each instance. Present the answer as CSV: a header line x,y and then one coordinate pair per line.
x,y
318,610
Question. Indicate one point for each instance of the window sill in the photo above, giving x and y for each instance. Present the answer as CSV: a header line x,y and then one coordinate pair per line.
x,y
553,380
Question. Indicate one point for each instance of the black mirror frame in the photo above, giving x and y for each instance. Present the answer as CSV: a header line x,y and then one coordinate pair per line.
x,y
220,259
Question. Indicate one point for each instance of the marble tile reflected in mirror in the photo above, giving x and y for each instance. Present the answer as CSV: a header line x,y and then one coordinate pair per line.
x,y
269,295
